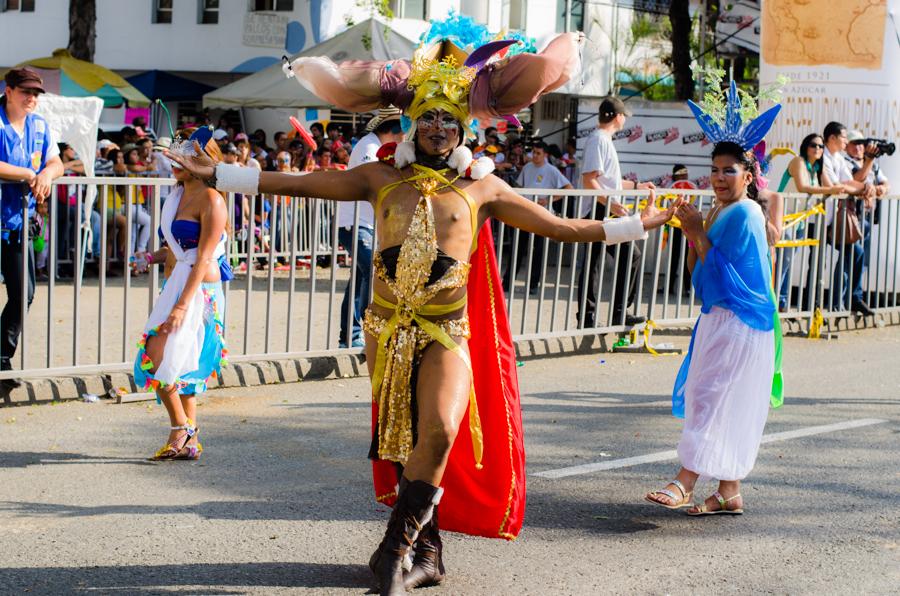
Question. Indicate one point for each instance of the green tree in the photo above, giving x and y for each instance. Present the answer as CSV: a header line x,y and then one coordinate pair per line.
x,y
645,38
375,8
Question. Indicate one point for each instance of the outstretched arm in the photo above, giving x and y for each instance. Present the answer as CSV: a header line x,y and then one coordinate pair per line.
x,y
336,185
517,211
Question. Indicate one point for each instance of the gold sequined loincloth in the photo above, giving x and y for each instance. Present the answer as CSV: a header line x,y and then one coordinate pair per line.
x,y
401,353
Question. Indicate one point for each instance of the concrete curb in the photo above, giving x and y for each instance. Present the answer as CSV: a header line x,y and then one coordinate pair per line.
x,y
264,372
267,372
241,374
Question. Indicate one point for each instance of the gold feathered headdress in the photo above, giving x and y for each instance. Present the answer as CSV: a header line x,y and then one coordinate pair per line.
x,y
439,79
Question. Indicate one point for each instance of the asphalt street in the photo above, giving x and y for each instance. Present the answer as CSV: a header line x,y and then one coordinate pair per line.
x,y
281,502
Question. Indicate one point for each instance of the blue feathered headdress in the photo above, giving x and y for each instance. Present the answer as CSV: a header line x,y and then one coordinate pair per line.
x,y
468,35
729,119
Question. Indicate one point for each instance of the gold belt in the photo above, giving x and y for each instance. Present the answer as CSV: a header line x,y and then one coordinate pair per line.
x,y
399,343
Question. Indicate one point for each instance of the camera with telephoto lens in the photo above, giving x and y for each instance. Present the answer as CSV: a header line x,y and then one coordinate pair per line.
x,y
882,147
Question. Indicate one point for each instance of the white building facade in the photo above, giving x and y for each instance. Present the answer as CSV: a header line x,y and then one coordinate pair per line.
x,y
219,41
231,36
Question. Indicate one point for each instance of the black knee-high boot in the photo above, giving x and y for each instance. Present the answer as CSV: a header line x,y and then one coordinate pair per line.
x,y
413,510
428,565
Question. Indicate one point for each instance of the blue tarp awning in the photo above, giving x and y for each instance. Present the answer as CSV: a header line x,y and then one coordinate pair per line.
x,y
158,84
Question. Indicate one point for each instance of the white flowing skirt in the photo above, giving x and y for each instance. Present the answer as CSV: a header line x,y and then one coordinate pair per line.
x,y
726,396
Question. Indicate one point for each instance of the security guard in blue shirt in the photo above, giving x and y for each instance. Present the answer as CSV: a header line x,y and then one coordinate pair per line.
x,y
29,162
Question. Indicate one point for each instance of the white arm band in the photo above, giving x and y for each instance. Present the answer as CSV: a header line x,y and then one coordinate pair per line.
x,y
624,229
232,178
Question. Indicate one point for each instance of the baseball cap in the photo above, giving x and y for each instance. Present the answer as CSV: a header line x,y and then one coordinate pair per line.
x,y
230,148
492,149
241,136
219,134
612,105
24,78
104,143
855,136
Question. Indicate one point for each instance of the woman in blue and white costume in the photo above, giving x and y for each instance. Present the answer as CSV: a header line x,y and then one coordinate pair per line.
x,y
732,370
183,345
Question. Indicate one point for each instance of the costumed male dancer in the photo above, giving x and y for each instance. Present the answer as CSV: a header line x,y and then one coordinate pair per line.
x,y
430,200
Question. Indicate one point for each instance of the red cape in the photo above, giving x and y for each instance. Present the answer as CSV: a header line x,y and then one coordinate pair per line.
x,y
491,501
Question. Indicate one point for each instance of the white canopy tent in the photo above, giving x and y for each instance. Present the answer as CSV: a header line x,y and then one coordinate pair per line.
x,y
372,39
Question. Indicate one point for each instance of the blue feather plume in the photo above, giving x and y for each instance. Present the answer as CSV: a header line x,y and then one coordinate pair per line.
x,y
202,135
734,129
460,29
467,34
733,113
710,127
756,130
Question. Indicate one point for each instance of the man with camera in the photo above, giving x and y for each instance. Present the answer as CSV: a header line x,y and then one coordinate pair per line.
x,y
862,156
845,233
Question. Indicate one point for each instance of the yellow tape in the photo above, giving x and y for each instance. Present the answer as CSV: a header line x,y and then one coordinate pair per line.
x,y
796,243
781,151
793,219
815,327
651,324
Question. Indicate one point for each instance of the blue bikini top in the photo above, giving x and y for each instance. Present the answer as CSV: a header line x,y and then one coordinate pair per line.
x,y
187,234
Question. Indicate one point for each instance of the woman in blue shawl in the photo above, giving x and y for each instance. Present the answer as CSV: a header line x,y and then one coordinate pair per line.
x,y
724,386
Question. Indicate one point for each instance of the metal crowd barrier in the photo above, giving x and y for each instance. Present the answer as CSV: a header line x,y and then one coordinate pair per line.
x,y
291,274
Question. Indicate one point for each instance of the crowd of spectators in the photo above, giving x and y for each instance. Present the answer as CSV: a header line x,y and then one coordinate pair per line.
x,y
133,152
511,152
844,164
835,163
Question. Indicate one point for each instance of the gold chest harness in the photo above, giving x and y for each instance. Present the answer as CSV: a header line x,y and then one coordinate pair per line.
x,y
404,336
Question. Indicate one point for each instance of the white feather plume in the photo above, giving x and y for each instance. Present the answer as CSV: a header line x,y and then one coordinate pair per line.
x,y
482,167
405,154
460,159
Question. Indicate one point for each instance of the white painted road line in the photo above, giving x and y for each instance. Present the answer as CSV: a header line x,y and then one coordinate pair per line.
x,y
821,430
667,455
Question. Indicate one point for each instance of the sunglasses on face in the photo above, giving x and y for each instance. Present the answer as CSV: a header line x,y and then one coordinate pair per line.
x,y
817,145
431,120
